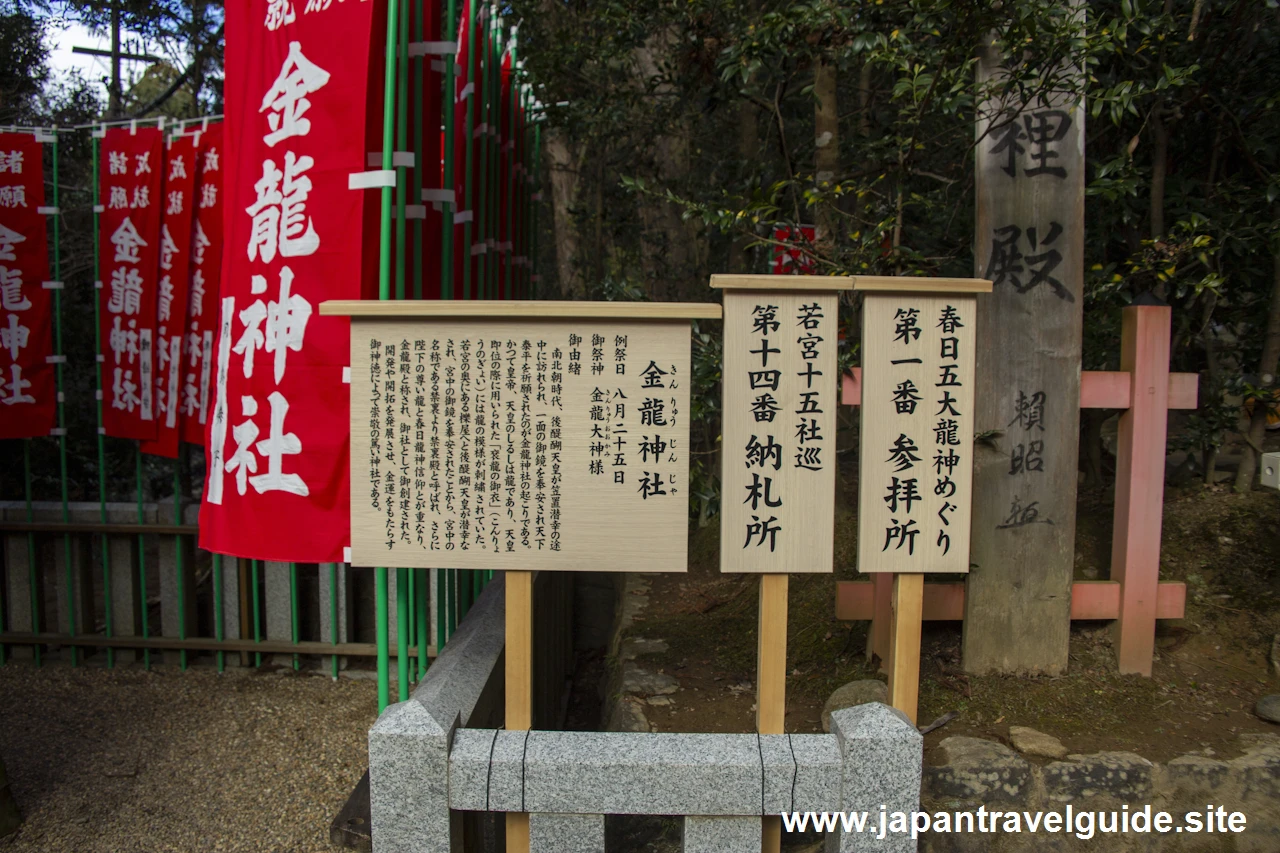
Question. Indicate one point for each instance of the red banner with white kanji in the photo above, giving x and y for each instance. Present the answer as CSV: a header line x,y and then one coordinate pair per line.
x,y
171,305
28,383
295,94
202,296
129,188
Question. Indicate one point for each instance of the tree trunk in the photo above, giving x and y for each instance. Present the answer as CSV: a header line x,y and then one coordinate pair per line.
x,y
565,181
748,151
826,155
1267,365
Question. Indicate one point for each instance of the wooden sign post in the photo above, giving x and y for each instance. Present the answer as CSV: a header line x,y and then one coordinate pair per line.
x,y
778,462
520,436
915,468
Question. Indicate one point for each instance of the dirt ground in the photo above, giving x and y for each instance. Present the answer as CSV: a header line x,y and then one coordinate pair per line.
x,y
1211,666
127,761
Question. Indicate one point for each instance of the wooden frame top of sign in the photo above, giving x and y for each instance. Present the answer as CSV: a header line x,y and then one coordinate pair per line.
x,y
920,284
530,309
782,282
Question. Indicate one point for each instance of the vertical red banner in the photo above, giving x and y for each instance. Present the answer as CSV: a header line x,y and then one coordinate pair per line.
x,y
129,186
792,260
295,94
202,296
28,382
177,201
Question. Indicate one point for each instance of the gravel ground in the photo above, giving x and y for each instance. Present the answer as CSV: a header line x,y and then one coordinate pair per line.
x,y
130,761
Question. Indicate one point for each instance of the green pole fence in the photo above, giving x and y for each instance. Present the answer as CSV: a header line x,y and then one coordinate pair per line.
x,y
508,246
102,452
384,293
402,178
33,579
447,208
470,227
423,632
178,559
257,610
494,199
217,610
416,110
293,609
333,614
537,208
142,556
55,221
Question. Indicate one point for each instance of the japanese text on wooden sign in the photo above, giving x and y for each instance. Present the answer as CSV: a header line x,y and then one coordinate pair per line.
x,y
520,444
916,461
778,453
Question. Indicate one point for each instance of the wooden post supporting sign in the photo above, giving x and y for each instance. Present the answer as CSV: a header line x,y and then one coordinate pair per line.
x,y
915,470
778,457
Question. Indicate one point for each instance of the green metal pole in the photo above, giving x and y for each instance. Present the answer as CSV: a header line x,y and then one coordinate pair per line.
x,y
513,195
447,209
402,176
442,612
293,609
537,209
217,609
482,150
142,557
424,621
33,580
384,292
178,561
257,611
469,228
102,453
402,632
333,614
419,165
495,158
451,602
68,567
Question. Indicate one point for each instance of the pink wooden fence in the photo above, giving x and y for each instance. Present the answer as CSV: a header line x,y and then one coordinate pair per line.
x,y
1134,597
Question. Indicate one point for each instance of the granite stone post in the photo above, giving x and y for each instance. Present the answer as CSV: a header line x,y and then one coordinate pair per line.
x,y
571,833
278,603
17,592
882,756
331,632
171,604
721,834
409,745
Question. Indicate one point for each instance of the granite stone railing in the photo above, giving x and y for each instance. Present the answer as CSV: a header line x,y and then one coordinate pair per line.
x,y
431,765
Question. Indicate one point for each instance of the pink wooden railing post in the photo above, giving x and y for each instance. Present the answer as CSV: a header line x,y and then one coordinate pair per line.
x,y
1135,548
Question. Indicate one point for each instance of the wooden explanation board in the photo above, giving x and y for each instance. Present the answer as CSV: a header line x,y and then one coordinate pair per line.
x,y
915,469
520,435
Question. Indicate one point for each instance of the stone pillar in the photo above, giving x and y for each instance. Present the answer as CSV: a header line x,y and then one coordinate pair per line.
x,y
409,781
17,592
881,756
80,601
329,630
171,604
278,603
733,834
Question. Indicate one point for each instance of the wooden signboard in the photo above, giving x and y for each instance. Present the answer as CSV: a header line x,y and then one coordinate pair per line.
x,y
510,435
778,462
915,467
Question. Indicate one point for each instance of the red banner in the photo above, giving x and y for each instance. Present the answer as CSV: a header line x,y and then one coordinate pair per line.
x,y
295,94
178,199
129,187
792,259
202,298
465,167
28,383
